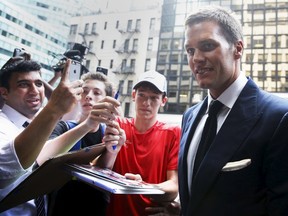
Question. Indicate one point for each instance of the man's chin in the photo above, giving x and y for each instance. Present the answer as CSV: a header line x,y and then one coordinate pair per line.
x,y
87,108
36,109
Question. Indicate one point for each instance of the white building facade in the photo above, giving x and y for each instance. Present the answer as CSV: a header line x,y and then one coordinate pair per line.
x,y
125,43
23,30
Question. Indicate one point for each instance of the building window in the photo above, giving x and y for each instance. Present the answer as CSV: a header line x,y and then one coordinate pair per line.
x,y
129,87
26,42
275,41
132,65
86,28
114,44
129,25
126,45
138,25
164,44
102,44
147,64
127,109
124,64
90,46
174,58
152,23
42,5
111,63
150,44
249,57
258,15
276,58
105,25
135,45
258,41
176,44
120,87
162,58
93,31
275,76
262,58
73,29
261,75
42,18
248,42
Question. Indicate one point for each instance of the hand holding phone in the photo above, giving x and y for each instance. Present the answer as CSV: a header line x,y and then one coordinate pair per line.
x,y
74,71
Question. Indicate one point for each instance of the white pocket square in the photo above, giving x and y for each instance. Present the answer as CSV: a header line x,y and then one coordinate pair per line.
x,y
236,165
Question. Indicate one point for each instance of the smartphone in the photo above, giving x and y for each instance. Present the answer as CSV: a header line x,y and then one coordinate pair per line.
x,y
102,70
74,71
17,52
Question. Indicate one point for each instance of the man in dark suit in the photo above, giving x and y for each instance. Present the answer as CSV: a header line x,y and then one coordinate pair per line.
x,y
245,170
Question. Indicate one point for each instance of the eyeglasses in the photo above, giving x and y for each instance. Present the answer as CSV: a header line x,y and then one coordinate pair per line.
x,y
19,55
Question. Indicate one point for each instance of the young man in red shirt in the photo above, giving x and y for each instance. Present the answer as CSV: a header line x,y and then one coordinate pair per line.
x,y
150,150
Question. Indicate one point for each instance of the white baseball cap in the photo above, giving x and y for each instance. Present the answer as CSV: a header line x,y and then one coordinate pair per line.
x,y
155,78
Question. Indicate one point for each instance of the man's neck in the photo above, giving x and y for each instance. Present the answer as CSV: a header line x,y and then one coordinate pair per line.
x,y
142,125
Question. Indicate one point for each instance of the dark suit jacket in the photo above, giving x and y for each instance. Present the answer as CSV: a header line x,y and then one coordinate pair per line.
x,y
257,129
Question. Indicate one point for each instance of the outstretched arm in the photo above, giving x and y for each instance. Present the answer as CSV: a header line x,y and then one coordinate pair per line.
x,y
170,186
103,112
114,139
29,143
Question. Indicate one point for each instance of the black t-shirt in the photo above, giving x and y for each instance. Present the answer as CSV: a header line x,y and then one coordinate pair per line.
x,y
88,140
76,196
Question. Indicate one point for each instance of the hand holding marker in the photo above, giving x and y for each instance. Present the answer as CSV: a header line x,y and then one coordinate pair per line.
x,y
116,97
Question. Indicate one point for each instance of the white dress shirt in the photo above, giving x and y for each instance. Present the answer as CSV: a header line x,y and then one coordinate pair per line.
x,y
228,98
11,171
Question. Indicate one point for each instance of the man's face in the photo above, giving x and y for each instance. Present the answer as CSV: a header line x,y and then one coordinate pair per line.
x,y
211,58
26,93
147,102
93,91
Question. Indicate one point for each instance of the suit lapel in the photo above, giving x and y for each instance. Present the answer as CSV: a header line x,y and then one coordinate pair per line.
x,y
232,134
187,133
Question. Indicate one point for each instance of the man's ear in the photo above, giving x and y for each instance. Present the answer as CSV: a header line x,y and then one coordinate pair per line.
x,y
238,49
133,94
164,101
3,92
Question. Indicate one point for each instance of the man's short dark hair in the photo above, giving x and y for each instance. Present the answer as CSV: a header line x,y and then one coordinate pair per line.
x,y
17,67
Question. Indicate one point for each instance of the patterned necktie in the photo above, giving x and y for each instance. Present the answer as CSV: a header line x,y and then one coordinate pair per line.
x,y
39,202
25,124
208,134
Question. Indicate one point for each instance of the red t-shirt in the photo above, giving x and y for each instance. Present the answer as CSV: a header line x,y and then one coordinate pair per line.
x,y
150,154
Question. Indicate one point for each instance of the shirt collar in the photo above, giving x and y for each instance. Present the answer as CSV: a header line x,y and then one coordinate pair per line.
x,y
14,116
230,95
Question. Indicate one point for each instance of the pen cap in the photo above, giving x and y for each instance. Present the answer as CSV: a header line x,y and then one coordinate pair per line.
x,y
155,78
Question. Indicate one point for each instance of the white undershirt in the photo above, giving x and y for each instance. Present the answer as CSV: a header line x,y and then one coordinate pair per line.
x,y
228,98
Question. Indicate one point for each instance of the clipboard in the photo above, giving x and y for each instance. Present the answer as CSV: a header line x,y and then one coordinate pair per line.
x,y
110,181
49,176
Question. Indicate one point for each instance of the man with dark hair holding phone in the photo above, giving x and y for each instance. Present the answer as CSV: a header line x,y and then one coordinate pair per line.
x,y
22,132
